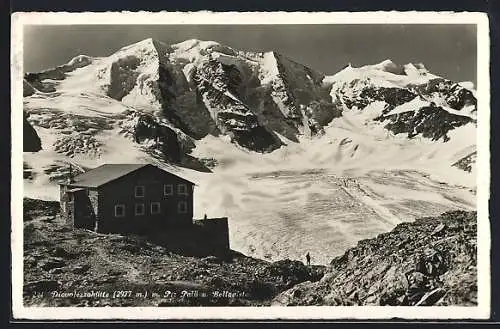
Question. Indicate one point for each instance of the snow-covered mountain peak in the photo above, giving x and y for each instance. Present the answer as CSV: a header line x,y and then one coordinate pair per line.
x,y
385,74
144,44
410,69
204,87
387,62
147,48
386,65
416,71
407,99
194,50
80,61
418,66
194,43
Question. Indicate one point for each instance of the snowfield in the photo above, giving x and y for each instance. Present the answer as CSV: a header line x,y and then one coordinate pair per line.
x,y
318,194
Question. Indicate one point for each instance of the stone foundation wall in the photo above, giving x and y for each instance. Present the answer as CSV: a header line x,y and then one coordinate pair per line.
x,y
214,233
203,238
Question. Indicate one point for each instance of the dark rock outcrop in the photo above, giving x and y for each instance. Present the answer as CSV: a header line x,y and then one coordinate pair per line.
x,y
166,138
432,122
169,144
218,84
456,96
431,261
31,140
123,77
392,96
28,89
466,162
181,104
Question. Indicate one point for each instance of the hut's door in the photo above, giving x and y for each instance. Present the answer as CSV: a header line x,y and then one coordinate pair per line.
x,y
69,209
84,215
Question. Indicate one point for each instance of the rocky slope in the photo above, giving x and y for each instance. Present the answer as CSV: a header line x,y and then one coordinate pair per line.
x,y
59,262
431,261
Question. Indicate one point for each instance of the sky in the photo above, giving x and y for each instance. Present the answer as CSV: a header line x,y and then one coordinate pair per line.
x,y
446,50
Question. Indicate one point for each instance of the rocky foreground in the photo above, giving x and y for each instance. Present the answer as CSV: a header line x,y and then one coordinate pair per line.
x,y
65,267
431,261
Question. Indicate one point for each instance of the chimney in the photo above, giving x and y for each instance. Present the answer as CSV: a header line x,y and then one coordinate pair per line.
x,y
70,176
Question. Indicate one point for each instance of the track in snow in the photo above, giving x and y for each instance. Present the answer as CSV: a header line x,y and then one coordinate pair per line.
x,y
280,217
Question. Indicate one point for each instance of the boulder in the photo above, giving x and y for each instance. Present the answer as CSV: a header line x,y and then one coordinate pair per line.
x,y
51,263
81,269
42,285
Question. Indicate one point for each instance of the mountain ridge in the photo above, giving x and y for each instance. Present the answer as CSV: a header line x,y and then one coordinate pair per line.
x,y
156,58
259,100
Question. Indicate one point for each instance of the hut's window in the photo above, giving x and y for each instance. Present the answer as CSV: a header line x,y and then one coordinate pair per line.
x,y
119,210
168,189
155,208
182,207
139,191
139,209
182,189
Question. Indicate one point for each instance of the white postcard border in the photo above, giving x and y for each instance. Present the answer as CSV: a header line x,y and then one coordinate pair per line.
x,y
481,311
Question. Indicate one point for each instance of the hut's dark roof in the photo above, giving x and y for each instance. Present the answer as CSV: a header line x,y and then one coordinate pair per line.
x,y
107,173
